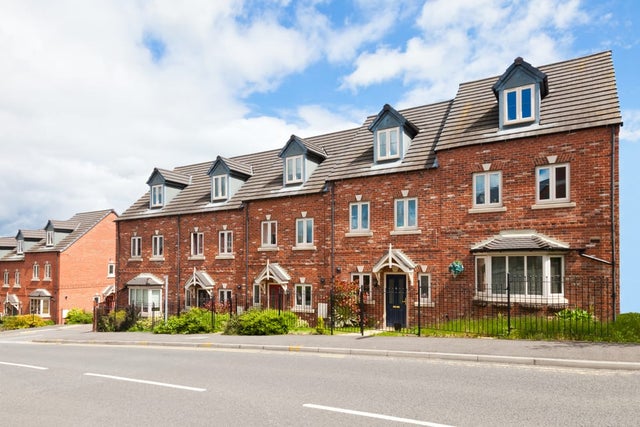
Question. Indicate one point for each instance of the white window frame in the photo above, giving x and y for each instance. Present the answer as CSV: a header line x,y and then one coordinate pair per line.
x,y
111,269
356,214
303,297
422,278
136,247
5,282
225,243
157,246
483,279
197,244
406,203
219,187
387,144
49,238
152,299
47,271
224,296
485,179
16,277
20,247
518,93
553,198
256,295
40,306
156,198
269,234
36,271
365,284
304,233
294,169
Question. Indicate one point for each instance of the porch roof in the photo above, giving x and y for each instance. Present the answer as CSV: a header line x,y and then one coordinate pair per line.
x,y
40,293
145,279
273,271
200,278
519,240
395,258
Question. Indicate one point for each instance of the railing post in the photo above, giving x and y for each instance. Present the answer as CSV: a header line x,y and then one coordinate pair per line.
x,y
508,304
419,306
361,304
332,309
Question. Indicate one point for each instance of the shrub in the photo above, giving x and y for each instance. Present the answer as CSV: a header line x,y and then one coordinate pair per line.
x,y
259,322
626,328
24,321
320,326
194,321
118,320
345,304
77,316
575,314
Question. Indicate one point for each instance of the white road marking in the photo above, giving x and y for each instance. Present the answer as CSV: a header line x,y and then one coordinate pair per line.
x,y
133,380
20,365
372,415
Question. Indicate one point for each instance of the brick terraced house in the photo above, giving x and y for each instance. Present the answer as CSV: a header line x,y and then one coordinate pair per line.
x,y
507,192
65,265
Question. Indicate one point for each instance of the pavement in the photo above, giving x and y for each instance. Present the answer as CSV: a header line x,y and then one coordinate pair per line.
x,y
572,354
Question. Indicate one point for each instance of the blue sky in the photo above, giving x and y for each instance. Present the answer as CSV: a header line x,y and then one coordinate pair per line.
x,y
94,95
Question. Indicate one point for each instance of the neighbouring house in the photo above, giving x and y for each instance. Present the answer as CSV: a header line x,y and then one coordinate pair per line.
x,y
507,193
67,264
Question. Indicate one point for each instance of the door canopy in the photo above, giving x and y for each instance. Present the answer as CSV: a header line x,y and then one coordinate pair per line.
x,y
272,272
395,258
201,279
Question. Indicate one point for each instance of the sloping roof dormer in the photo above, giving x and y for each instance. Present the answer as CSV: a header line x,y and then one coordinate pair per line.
x,y
301,158
392,135
164,185
58,230
227,176
26,239
519,92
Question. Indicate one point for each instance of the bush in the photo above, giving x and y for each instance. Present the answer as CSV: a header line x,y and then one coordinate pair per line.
x,y
259,322
78,316
118,320
575,314
24,321
194,321
626,328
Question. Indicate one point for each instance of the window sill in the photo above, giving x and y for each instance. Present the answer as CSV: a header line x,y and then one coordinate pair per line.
x,y
425,304
5,286
359,234
488,209
35,279
157,259
405,232
196,258
268,249
300,309
225,256
527,301
17,286
46,279
135,259
553,205
303,248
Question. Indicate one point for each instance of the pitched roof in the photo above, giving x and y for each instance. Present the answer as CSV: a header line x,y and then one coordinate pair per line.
x,y
83,221
519,240
582,94
8,242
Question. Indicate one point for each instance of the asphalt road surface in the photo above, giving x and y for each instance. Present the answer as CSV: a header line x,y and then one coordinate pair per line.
x,y
80,385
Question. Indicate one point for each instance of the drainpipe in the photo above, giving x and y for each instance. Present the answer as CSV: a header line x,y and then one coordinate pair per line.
x,y
246,255
613,223
178,267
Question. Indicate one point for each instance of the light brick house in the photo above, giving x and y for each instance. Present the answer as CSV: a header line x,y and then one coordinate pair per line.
x,y
65,265
516,178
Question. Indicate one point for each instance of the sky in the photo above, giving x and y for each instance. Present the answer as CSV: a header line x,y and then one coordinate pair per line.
x,y
95,94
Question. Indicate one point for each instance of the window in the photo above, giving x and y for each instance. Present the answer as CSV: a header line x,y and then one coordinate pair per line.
x,y
406,214
269,234
293,169
359,217
19,247
5,282
303,297
387,144
49,237
157,245
487,189
519,104
226,242
224,296
424,281
16,283
304,232
145,299
534,276
136,246
40,306
364,282
157,196
219,186
36,271
552,183
256,294
47,271
197,244
111,269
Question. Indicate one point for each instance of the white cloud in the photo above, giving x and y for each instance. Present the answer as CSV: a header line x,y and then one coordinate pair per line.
x,y
630,131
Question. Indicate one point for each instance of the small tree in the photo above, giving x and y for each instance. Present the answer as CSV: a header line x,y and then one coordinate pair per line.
x,y
346,303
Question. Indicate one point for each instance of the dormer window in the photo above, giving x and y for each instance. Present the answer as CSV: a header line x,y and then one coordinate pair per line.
x,y
293,169
49,237
157,196
519,104
19,247
387,146
219,187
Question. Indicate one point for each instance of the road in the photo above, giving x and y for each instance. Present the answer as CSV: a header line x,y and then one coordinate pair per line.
x,y
96,385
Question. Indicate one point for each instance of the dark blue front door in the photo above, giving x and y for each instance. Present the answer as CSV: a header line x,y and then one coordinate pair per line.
x,y
396,296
